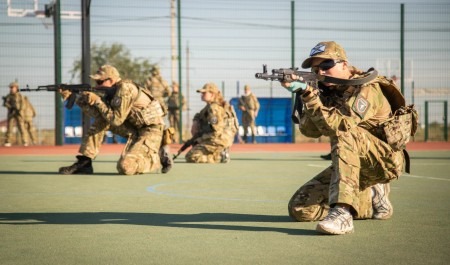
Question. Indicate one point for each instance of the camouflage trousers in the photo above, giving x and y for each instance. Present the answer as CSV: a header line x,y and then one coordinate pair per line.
x,y
174,118
248,120
174,121
205,152
19,122
141,153
31,130
359,160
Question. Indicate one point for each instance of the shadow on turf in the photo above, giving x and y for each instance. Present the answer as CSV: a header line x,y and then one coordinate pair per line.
x,y
68,161
306,159
15,172
197,221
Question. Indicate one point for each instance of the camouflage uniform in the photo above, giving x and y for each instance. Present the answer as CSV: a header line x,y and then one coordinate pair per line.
x,y
249,105
136,111
15,104
173,103
216,127
130,112
158,87
28,114
350,116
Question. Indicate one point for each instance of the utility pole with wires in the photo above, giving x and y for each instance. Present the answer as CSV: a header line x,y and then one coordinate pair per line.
x,y
188,118
173,46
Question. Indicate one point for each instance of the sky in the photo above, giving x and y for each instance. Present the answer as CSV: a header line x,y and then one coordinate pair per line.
x,y
227,41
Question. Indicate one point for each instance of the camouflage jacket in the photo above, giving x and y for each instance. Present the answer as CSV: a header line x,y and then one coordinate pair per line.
x,y
173,102
249,102
344,108
211,122
14,103
132,104
158,87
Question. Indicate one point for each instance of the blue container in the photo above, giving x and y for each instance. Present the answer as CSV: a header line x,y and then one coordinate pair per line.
x,y
274,124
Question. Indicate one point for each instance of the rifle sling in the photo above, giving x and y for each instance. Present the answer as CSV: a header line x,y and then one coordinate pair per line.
x,y
349,82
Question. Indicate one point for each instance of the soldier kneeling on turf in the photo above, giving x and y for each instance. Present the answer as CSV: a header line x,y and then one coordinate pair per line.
x,y
129,111
214,128
368,124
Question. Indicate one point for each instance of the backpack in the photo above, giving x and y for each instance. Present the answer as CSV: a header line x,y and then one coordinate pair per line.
x,y
405,119
173,101
231,123
28,109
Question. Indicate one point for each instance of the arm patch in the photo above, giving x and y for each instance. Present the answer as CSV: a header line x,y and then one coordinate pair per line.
x,y
213,120
361,106
116,102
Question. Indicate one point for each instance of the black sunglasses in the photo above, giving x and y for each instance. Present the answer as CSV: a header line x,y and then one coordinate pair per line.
x,y
100,82
325,65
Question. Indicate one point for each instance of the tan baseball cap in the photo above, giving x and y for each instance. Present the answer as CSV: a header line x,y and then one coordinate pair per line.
x,y
326,50
13,84
209,87
106,72
155,69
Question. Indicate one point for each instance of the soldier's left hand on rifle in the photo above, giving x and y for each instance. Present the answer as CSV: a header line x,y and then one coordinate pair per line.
x,y
294,86
65,94
91,98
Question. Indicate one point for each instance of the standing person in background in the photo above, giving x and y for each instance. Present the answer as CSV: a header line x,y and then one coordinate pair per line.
x,y
213,128
158,87
174,105
28,115
14,102
249,105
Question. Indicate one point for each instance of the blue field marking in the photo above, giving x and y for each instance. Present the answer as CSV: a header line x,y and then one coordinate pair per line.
x,y
154,189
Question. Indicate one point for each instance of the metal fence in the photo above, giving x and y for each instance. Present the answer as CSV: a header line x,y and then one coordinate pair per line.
x,y
227,41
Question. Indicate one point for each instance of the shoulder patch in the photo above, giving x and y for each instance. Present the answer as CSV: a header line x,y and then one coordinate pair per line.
x,y
361,106
116,102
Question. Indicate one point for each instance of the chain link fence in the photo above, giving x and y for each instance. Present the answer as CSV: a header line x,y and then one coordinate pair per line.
x,y
228,41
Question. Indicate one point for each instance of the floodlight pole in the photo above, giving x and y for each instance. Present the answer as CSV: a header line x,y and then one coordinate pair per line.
x,y
54,10
402,48
86,54
180,83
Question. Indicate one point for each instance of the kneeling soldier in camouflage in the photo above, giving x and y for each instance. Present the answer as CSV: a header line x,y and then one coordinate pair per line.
x,y
129,111
214,128
364,161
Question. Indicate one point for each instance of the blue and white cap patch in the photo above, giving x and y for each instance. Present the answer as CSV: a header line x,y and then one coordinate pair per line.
x,y
317,49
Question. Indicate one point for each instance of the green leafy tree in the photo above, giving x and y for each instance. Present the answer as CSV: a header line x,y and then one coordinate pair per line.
x,y
136,69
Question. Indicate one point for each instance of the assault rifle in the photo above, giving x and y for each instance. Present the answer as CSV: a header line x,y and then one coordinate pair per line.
x,y
186,145
75,89
285,75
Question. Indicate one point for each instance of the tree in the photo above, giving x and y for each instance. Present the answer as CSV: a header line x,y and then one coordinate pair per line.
x,y
136,69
